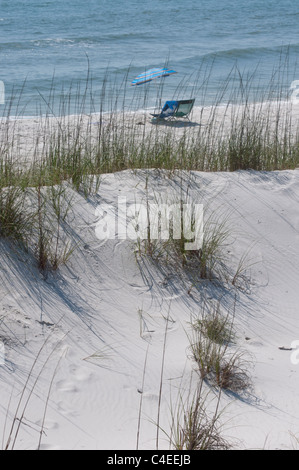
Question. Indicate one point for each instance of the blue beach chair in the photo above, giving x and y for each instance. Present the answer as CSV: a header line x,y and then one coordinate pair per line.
x,y
175,109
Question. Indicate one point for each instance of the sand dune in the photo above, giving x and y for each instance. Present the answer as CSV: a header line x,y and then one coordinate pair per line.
x,y
104,312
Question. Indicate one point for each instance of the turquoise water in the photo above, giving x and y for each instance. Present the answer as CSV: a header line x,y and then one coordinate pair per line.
x,y
48,45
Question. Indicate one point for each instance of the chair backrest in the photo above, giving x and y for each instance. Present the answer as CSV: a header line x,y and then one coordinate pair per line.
x,y
184,107
169,108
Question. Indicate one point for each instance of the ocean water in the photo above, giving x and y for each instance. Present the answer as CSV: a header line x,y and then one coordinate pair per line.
x,y
50,48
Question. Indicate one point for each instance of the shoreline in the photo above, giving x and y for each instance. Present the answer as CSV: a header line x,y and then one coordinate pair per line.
x,y
147,109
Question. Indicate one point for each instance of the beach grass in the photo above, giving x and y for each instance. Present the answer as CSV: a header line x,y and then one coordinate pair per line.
x,y
211,341
237,134
77,149
73,151
194,426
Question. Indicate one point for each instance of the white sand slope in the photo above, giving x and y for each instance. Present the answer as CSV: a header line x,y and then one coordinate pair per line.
x,y
99,315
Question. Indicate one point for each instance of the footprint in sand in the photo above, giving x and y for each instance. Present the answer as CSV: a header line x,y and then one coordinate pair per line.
x,y
255,343
48,424
67,386
80,374
65,409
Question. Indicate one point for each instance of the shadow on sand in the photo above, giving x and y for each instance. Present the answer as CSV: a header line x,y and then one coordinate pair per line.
x,y
176,123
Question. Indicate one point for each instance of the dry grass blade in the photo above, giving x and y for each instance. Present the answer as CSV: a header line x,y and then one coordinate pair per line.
x,y
194,427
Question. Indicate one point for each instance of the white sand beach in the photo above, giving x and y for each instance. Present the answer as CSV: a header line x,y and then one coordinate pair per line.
x,y
83,345
30,137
